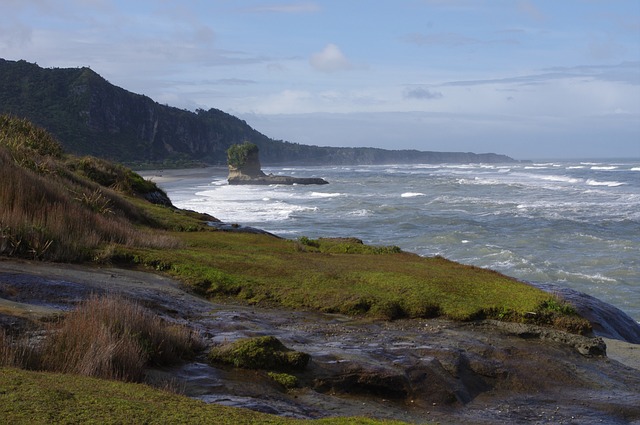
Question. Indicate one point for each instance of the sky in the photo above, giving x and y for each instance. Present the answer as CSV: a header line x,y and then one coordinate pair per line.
x,y
531,79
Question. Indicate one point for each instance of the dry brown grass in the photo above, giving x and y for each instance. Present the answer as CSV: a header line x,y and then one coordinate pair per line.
x,y
107,337
111,337
17,351
50,213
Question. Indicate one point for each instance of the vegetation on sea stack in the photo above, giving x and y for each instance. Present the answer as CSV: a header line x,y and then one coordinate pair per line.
x,y
237,155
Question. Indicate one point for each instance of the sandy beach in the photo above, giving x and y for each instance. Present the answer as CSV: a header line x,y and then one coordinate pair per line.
x,y
174,175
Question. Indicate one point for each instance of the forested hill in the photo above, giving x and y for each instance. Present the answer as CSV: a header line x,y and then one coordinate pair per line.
x,y
91,116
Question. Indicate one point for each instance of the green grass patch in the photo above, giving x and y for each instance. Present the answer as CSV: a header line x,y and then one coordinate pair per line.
x,y
260,269
45,398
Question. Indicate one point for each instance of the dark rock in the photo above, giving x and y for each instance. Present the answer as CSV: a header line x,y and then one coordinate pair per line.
x,y
158,197
234,227
267,180
607,321
587,346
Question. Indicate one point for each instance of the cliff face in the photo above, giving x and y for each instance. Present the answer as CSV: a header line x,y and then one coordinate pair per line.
x,y
93,117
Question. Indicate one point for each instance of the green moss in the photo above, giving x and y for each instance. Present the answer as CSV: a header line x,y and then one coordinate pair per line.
x,y
286,380
265,352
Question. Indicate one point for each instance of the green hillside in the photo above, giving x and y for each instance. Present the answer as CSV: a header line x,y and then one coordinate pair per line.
x,y
93,117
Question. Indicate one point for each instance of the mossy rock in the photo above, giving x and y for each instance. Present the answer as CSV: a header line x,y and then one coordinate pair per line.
x,y
286,380
265,352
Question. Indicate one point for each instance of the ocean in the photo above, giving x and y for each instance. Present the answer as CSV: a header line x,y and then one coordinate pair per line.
x,y
571,223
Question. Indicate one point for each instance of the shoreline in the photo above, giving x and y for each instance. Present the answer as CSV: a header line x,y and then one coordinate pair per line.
x,y
162,176
449,372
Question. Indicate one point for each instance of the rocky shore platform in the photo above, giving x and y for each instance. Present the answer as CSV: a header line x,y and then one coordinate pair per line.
x,y
418,371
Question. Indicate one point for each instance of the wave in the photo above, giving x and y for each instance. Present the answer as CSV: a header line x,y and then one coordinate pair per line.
x,y
635,169
603,167
359,213
325,194
560,179
411,194
592,182
596,277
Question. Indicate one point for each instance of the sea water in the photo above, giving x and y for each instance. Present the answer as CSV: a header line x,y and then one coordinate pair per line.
x,y
576,223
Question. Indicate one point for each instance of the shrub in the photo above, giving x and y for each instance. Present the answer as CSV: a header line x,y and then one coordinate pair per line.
x,y
237,155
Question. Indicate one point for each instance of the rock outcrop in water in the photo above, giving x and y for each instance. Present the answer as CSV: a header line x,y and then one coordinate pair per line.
x,y
244,168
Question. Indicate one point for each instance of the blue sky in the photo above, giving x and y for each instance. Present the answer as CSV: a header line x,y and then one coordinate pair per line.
x,y
527,78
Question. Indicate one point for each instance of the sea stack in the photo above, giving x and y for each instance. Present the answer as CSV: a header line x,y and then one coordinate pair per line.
x,y
244,168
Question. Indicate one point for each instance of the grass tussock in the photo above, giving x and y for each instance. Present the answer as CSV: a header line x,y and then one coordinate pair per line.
x,y
17,351
107,337
111,337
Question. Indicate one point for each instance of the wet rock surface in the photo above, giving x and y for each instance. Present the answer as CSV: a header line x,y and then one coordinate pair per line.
x,y
413,370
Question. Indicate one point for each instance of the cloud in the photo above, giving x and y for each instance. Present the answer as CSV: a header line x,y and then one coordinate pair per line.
x,y
421,93
304,7
330,59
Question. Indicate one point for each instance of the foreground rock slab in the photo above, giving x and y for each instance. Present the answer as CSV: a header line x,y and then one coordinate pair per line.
x,y
412,370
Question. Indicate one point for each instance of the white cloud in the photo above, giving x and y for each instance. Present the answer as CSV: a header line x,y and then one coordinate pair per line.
x,y
330,59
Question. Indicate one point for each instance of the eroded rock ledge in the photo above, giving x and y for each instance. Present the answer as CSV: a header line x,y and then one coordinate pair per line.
x,y
413,370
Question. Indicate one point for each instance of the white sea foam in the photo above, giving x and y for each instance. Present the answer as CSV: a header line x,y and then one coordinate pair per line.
x,y
596,277
411,194
575,167
635,169
561,179
359,213
324,195
592,182
602,167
